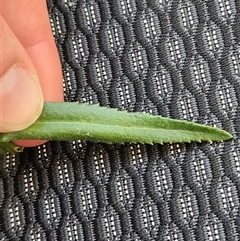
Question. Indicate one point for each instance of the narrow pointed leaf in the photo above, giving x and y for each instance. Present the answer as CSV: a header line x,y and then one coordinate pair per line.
x,y
72,121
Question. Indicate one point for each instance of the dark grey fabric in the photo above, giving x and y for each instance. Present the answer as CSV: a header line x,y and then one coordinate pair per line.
x,y
175,58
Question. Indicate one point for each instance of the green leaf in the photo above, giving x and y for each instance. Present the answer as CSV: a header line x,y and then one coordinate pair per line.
x,y
72,121
9,147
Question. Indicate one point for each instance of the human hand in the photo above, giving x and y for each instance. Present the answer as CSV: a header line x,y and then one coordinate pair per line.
x,y
30,70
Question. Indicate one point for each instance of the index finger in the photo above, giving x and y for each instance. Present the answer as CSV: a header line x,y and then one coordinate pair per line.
x,y
29,21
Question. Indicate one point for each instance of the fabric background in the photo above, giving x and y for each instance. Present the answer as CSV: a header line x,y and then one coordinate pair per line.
x,y
180,59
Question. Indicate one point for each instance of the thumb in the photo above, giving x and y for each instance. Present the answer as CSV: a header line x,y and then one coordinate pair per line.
x,y
21,98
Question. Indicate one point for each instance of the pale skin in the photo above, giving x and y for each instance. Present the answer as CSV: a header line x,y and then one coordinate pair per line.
x,y
30,68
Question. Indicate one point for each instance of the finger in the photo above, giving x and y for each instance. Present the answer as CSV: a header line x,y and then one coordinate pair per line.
x,y
29,21
21,99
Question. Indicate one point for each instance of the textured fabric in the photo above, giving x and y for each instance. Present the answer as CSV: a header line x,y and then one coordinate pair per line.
x,y
176,58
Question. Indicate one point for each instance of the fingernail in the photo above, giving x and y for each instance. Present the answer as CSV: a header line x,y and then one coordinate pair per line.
x,y
21,100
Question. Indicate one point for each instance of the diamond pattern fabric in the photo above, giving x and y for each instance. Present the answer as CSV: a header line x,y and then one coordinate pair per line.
x,y
180,59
